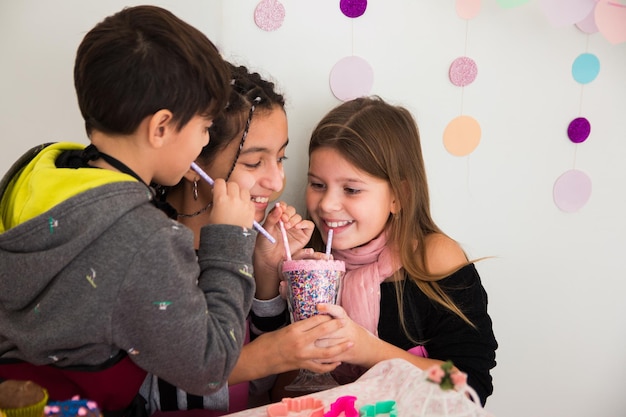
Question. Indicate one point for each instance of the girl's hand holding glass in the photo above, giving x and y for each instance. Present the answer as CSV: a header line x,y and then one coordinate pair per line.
x,y
267,255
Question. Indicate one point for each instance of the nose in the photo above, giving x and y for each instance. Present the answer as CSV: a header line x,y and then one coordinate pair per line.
x,y
273,178
329,202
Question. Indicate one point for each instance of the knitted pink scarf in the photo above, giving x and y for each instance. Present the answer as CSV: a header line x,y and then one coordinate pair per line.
x,y
366,267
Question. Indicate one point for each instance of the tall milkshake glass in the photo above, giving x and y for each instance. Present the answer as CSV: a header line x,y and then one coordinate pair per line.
x,y
311,282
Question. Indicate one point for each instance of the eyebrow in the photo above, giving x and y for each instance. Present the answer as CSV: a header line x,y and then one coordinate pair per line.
x,y
262,149
347,179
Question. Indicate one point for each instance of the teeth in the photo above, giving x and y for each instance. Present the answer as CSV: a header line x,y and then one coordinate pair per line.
x,y
338,224
260,199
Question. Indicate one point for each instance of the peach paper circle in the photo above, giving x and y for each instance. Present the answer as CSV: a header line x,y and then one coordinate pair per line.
x,y
269,15
462,135
351,77
572,190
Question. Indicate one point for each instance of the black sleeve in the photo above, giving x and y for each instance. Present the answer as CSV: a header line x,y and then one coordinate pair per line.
x,y
448,337
267,324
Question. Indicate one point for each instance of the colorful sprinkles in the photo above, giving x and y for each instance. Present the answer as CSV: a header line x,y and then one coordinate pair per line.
x,y
309,287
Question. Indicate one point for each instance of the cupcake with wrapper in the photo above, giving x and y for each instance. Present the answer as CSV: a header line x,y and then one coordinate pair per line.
x,y
22,398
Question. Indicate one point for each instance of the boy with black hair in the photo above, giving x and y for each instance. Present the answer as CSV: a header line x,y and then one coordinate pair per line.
x,y
93,276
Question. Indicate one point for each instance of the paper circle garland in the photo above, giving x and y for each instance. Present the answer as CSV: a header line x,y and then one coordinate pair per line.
x,y
353,8
578,130
463,71
572,190
269,15
462,135
351,77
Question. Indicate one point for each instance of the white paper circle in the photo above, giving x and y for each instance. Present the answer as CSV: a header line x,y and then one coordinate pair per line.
x,y
572,190
351,77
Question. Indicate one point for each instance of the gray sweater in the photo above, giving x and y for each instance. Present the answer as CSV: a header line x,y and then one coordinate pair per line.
x,y
105,271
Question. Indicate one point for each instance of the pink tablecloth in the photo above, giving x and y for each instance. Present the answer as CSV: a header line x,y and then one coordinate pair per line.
x,y
396,380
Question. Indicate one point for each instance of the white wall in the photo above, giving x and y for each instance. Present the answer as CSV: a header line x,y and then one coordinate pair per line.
x,y
556,282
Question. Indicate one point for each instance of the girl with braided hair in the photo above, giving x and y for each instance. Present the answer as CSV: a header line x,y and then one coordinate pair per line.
x,y
247,145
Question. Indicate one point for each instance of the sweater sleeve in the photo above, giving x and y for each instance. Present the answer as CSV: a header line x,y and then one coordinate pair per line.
x,y
267,316
448,337
183,317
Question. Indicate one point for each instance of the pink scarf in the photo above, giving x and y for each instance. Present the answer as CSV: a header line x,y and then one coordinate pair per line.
x,y
366,267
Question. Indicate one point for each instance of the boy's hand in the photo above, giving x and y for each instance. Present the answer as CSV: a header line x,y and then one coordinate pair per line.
x,y
231,205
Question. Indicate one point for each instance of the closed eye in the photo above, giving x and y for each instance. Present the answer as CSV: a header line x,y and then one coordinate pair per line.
x,y
253,166
316,185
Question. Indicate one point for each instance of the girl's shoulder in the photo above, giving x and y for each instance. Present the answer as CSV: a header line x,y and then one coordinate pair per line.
x,y
443,254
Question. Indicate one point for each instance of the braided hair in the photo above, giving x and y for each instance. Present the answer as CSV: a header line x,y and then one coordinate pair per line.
x,y
250,94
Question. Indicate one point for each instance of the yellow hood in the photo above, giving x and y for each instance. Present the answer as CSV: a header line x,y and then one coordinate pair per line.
x,y
40,185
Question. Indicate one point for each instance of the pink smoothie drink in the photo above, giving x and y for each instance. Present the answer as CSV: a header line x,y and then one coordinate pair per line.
x,y
311,282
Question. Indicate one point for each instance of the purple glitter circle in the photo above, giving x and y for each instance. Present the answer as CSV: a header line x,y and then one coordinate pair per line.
x,y
353,8
578,130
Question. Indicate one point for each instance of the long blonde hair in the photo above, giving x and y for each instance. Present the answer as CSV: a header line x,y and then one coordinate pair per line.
x,y
383,140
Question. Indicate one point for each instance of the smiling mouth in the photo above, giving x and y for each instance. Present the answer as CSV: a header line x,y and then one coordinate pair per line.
x,y
334,225
260,200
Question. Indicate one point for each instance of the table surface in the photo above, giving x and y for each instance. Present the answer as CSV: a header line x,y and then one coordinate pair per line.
x,y
393,380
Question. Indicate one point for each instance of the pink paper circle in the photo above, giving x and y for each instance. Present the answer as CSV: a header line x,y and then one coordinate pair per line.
x,y
269,15
463,71
578,130
467,9
351,77
353,8
572,190
610,17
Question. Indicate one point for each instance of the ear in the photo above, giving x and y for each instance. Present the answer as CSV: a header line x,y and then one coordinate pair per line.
x,y
160,127
395,206
395,202
191,175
